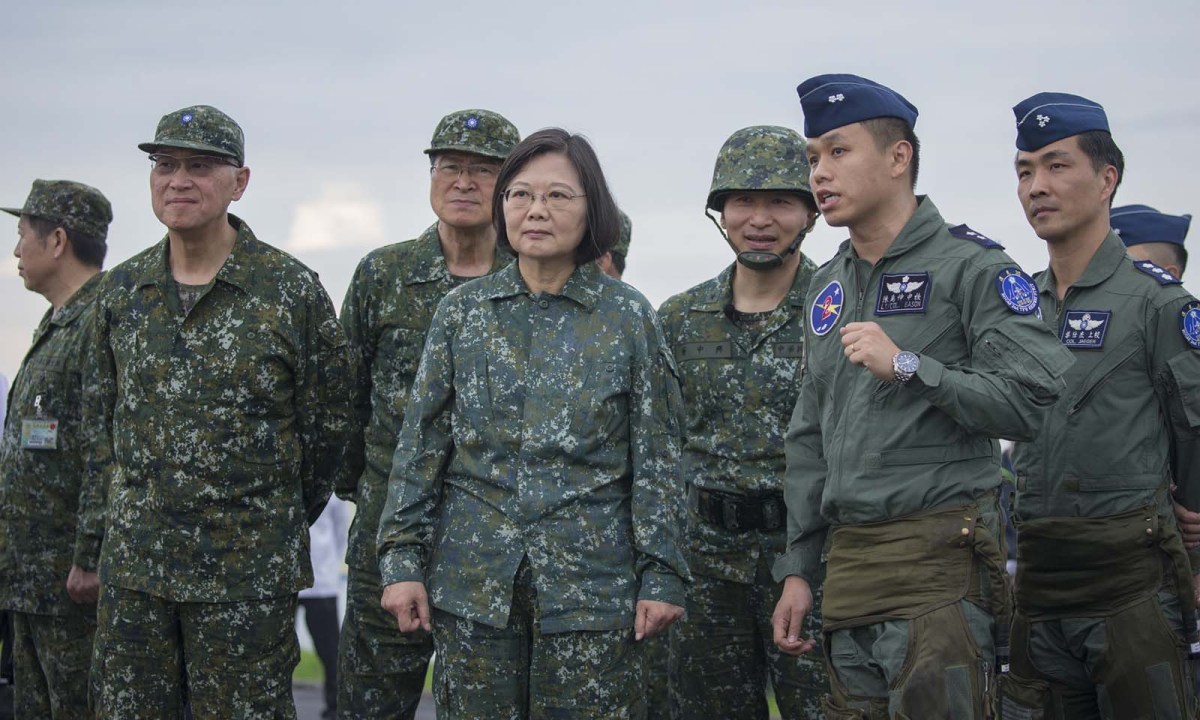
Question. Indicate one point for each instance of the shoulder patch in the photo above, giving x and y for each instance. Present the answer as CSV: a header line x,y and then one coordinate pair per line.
x,y
1163,277
1189,323
963,232
1018,291
826,309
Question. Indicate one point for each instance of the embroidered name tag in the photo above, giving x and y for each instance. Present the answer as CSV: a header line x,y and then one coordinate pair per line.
x,y
1085,329
703,350
789,349
901,293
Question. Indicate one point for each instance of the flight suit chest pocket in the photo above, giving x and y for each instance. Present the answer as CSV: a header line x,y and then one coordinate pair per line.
x,y
602,407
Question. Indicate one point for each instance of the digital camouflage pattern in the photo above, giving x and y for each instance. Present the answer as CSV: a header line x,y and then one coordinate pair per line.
x,y
202,128
51,501
518,672
862,450
51,656
760,157
541,427
224,429
479,132
386,313
75,206
626,236
723,654
740,384
239,658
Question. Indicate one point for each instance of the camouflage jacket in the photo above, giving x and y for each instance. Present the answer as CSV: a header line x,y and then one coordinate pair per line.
x,y
860,449
1128,425
51,508
739,389
543,426
225,429
386,313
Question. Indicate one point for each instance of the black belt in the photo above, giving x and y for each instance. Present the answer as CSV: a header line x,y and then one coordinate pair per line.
x,y
761,511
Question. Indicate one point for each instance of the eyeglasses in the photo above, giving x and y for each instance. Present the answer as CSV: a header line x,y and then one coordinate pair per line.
x,y
452,171
198,166
519,199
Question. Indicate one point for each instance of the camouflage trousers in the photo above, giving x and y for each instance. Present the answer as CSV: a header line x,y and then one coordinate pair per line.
x,y
723,654
51,655
232,659
1132,664
656,665
516,672
381,671
933,667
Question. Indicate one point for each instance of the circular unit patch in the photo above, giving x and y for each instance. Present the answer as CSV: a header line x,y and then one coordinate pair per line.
x,y
1018,291
1189,323
826,308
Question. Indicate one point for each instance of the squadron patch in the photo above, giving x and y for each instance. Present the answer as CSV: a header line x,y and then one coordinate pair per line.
x,y
1085,329
962,232
1018,291
1189,323
1162,276
901,293
826,308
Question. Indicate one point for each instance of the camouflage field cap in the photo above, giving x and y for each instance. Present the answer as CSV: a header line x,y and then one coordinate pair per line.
x,y
202,128
622,245
481,132
73,205
760,157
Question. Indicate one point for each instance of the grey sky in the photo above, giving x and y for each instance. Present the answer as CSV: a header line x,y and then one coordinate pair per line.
x,y
338,100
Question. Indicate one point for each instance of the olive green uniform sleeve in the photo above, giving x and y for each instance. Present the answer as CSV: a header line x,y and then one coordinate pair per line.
x,y
803,487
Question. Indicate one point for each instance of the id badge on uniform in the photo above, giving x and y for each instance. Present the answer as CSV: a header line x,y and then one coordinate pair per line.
x,y
39,434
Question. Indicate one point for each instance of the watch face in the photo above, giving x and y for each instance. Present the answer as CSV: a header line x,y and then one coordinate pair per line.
x,y
908,362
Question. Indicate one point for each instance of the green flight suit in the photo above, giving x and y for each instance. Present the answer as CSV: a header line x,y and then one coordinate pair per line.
x,y
224,430
51,514
740,379
386,313
1099,629
866,454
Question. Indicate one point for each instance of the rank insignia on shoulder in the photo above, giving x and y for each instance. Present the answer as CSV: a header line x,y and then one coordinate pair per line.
x,y
1085,329
901,293
826,308
1189,323
1018,291
1163,277
962,232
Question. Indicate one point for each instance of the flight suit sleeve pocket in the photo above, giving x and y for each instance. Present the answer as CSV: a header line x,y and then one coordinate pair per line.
x,y
1185,370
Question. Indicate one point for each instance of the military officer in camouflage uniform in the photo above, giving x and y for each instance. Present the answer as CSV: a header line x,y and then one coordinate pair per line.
x,y
1153,236
51,504
738,340
386,314
1104,585
613,261
922,346
225,385
534,489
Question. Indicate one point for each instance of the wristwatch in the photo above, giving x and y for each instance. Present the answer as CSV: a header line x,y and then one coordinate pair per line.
x,y
905,364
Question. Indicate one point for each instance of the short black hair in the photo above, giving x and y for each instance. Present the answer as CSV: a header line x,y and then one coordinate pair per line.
x,y
603,222
1102,150
88,249
889,130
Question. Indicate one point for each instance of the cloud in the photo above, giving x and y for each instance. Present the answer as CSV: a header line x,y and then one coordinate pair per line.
x,y
343,216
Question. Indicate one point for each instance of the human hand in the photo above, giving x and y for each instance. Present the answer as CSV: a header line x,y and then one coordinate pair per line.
x,y
795,603
409,604
867,345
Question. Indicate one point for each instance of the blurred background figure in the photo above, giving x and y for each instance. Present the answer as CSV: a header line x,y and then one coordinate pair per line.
x,y
327,543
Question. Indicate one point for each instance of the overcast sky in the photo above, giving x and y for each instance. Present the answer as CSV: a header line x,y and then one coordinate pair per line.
x,y
339,99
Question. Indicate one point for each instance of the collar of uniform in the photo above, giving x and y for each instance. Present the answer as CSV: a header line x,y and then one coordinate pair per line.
x,y
77,302
429,264
584,286
233,271
718,294
1104,263
924,224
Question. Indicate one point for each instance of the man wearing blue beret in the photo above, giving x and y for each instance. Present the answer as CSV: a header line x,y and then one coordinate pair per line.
x,y
1153,236
922,347
1104,589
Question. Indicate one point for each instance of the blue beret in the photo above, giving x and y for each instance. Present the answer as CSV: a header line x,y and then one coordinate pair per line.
x,y
831,101
1137,224
1049,117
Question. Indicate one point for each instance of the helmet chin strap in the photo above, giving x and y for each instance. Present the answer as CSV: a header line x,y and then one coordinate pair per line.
x,y
757,259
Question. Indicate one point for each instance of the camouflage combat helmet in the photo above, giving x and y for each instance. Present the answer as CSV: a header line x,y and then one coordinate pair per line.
x,y
73,205
480,132
622,244
760,157
202,128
